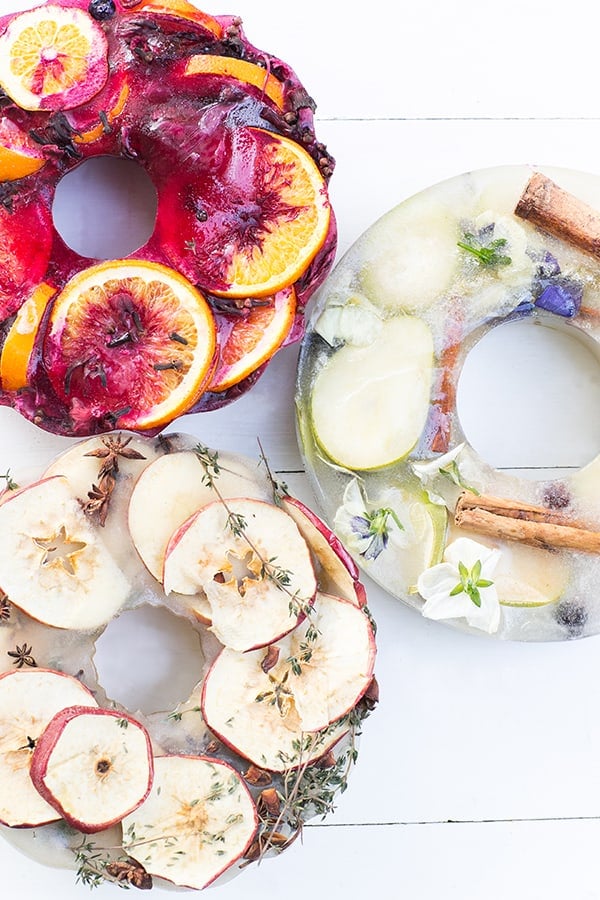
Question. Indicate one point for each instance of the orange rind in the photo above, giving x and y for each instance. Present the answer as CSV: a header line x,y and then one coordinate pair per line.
x,y
20,340
20,156
253,339
241,70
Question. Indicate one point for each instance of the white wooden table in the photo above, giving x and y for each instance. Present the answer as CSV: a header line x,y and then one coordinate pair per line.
x,y
479,773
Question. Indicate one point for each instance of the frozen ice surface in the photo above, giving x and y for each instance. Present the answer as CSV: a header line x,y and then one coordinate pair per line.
x,y
423,259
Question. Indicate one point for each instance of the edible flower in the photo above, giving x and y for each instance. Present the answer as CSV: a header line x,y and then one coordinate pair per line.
x,y
368,527
462,586
443,478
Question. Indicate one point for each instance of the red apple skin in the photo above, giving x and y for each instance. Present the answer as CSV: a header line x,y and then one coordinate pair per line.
x,y
299,509
64,675
43,751
323,752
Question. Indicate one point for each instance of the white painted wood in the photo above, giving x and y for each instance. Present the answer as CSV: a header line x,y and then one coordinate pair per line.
x,y
468,728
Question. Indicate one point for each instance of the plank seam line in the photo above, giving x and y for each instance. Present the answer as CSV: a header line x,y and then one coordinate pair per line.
x,y
516,821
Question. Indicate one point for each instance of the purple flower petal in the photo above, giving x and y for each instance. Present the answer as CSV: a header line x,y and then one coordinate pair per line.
x,y
562,297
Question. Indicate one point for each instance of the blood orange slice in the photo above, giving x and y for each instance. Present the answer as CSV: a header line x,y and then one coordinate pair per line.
x,y
250,219
241,70
53,57
19,154
26,234
129,341
182,10
249,341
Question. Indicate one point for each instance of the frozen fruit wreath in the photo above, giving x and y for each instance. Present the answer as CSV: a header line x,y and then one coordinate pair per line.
x,y
244,231
268,735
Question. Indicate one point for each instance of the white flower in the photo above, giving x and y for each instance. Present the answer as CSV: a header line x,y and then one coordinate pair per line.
x,y
429,471
366,527
462,586
352,320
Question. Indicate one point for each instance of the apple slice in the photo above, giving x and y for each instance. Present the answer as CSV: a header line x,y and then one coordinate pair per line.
x,y
53,563
339,573
253,565
197,822
94,766
29,699
355,411
174,487
262,705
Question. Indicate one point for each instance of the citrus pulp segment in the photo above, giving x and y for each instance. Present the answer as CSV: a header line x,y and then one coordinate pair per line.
x,y
131,338
240,69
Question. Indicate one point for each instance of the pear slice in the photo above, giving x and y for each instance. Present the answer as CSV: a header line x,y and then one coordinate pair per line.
x,y
198,821
262,705
252,563
29,699
369,404
94,766
54,564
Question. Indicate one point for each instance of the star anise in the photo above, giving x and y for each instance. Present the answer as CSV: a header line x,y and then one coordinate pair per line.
x,y
4,607
22,657
131,872
99,497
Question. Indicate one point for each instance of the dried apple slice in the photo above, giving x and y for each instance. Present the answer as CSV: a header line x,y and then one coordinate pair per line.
x,y
253,565
173,488
28,701
53,563
53,57
94,766
339,573
197,822
262,705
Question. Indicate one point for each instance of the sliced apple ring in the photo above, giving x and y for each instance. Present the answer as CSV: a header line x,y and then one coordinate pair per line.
x,y
29,699
198,821
129,341
261,707
339,573
94,766
240,70
248,341
53,57
173,488
253,565
53,563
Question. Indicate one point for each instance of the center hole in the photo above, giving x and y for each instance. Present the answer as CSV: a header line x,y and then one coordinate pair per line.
x,y
149,659
105,208
528,398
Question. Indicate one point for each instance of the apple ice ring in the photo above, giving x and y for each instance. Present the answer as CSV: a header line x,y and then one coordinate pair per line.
x,y
411,499
244,232
288,652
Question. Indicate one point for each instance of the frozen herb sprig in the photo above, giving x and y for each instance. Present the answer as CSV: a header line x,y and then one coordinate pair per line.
x,y
487,253
470,582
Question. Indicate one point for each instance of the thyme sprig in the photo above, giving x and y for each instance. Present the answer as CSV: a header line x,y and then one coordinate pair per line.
x,y
279,489
10,483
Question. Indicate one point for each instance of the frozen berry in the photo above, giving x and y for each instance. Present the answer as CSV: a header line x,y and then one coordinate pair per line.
x,y
101,10
572,615
556,496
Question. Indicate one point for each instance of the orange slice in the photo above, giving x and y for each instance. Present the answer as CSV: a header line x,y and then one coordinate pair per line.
x,y
19,342
240,69
53,57
182,10
19,154
93,134
252,340
131,342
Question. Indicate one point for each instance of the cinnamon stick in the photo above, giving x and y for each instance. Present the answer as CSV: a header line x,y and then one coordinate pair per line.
x,y
533,525
561,214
